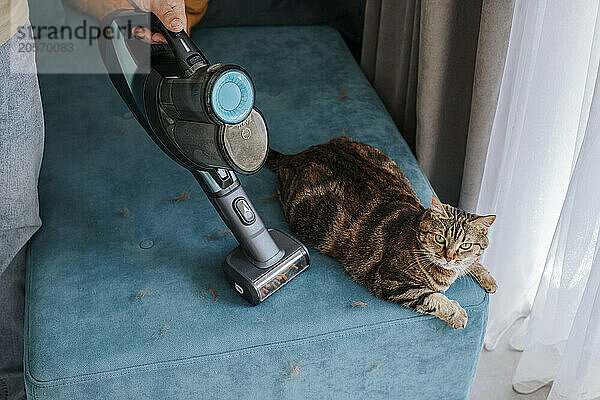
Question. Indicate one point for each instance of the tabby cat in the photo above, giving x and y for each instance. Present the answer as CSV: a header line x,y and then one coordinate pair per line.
x,y
352,202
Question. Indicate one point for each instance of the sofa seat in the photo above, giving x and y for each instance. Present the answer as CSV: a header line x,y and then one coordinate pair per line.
x,y
125,294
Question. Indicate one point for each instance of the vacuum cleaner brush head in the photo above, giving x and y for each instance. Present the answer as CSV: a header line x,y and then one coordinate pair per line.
x,y
257,284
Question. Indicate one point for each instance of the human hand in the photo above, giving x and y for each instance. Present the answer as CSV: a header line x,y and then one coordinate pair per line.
x,y
170,12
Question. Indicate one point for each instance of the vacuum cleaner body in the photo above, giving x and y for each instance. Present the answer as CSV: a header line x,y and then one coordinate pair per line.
x,y
203,117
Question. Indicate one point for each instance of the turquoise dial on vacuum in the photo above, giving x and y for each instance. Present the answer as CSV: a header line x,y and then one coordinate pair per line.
x,y
232,96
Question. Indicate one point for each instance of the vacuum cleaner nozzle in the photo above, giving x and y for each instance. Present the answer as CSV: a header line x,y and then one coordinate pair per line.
x,y
257,284
203,116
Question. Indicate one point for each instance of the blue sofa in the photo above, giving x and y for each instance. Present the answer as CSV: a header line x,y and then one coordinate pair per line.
x,y
125,294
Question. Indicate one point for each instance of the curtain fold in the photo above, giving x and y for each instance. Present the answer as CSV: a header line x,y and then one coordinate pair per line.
x,y
562,342
437,68
563,335
533,143
389,58
541,179
494,31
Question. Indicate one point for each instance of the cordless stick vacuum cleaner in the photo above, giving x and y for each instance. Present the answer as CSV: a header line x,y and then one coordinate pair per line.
x,y
202,115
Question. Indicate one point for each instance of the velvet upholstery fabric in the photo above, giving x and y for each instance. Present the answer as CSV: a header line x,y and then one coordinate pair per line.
x,y
91,333
346,16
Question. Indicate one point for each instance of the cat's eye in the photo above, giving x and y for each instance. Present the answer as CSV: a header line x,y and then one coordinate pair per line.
x,y
466,246
439,239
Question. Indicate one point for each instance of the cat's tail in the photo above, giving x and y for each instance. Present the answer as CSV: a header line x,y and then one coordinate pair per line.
x,y
276,160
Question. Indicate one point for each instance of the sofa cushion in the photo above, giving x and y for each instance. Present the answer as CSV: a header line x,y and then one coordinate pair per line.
x,y
125,294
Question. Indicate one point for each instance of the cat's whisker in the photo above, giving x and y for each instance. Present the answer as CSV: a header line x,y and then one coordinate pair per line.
x,y
414,251
423,259
418,261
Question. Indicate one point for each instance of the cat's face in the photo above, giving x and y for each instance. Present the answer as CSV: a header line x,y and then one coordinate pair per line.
x,y
452,238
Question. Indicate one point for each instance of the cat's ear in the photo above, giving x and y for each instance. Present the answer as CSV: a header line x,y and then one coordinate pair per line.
x,y
484,222
437,207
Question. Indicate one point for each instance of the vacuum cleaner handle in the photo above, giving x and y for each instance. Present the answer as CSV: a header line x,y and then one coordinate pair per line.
x,y
241,218
189,57
236,210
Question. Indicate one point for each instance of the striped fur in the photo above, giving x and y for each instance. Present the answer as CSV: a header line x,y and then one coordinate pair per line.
x,y
353,203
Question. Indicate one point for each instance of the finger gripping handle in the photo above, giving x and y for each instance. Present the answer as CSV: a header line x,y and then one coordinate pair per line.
x,y
189,57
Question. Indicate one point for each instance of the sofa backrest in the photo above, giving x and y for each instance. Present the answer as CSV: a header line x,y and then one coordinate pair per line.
x,y
347,16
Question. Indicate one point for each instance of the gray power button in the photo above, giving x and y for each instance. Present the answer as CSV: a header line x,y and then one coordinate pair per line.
x,y
244,211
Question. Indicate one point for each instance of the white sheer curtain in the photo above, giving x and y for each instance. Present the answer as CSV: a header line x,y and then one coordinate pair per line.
x,y
542,179
563,337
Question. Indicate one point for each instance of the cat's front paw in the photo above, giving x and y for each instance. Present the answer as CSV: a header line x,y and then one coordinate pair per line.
x,y
458,319
488,283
